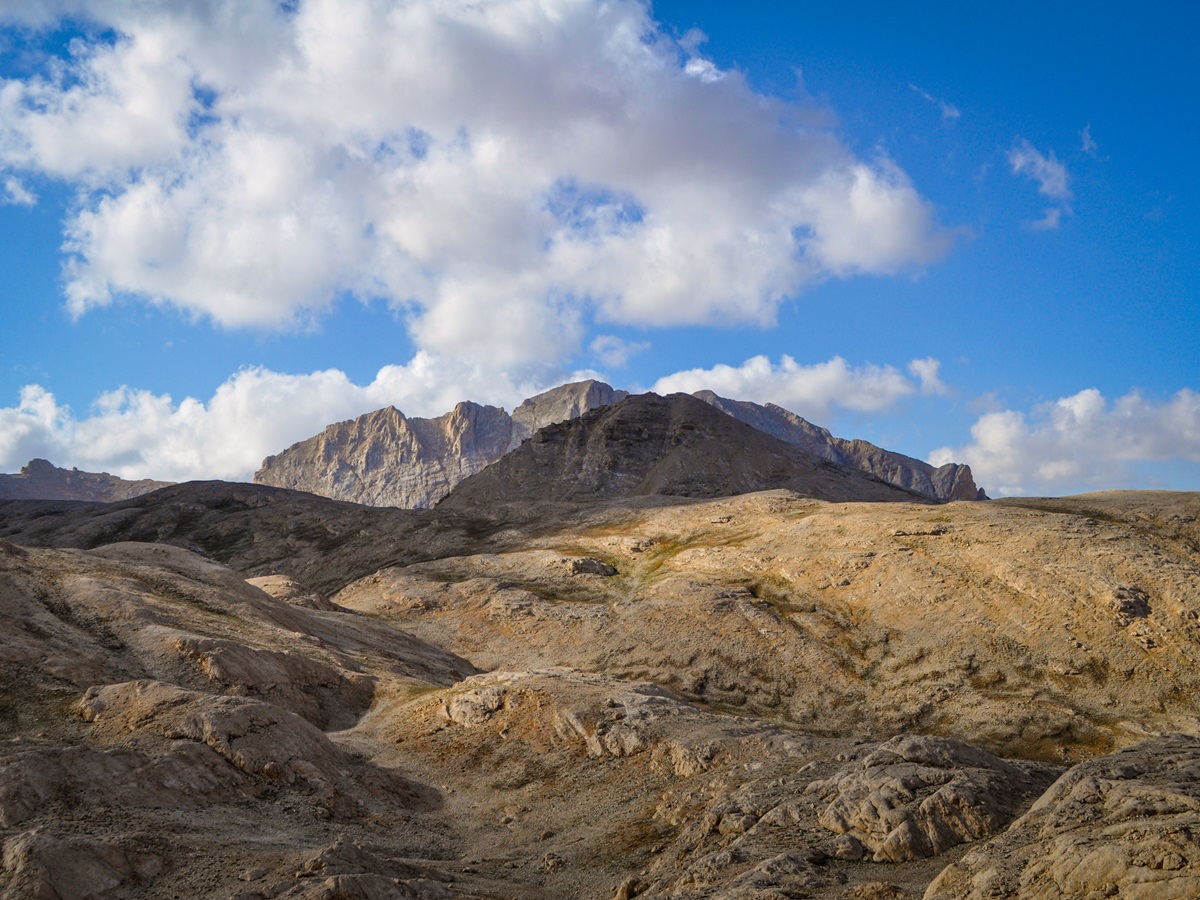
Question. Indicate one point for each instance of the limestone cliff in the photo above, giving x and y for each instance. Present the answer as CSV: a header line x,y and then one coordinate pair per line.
x,y
953,481
42,480
384,458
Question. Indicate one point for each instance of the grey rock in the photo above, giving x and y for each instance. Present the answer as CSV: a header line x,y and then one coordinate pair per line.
x,y
384,458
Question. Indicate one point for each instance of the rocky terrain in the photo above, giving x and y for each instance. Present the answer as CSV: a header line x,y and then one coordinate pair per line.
x,y
386,459
42,480
587,676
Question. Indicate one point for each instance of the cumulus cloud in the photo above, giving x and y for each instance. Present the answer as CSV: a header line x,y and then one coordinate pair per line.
x,y
256,412
16,194
498,172
815,392
1078,442
615,352
1052,179
927,372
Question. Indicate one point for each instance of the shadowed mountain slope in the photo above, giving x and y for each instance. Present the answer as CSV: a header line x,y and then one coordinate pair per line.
x,y
255,529
648,445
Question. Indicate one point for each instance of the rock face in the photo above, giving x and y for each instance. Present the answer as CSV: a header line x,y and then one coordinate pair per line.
x,y
387,459
915,797
42,480
1123,825
648,445
952,481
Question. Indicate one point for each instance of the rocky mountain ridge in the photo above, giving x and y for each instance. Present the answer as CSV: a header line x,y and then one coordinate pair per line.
x,y
952,481
386,459
42,480
674,446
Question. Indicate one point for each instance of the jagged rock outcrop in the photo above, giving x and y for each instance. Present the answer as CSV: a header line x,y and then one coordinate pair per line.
x,y
570,401
385,458
648,445
915,797
952,481
42,480
1124,825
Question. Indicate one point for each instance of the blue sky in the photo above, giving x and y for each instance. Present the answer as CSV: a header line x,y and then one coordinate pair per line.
x,y
961,234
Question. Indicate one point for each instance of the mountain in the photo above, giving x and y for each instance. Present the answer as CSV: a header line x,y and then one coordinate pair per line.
x,y
384,458
647,445
42,480
952,481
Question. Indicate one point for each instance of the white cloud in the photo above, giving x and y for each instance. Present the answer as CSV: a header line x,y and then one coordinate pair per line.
x,y
1079,442
256,412
1087,143
926,371
614,352
1050,175
16,194
814,392
949,111
499,172
1052,179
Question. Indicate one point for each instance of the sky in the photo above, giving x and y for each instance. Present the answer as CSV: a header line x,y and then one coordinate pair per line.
x,y
965,233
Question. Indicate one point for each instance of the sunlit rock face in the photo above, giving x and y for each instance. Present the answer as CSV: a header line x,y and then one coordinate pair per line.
x,y
385,458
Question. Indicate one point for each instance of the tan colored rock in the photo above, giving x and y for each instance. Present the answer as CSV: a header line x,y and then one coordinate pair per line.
x,y
1125,825
257,738
42,866
652,446
915,797
289,590
318,692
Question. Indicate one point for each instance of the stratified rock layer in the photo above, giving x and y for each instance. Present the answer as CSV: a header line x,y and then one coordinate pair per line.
x,y
387,459
952,481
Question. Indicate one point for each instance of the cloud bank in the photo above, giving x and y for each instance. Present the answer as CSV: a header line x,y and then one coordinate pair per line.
x,y
1078,442
815,392
504,174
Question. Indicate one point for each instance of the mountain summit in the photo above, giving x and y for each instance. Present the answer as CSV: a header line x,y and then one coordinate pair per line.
x,y
671,446
384,458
